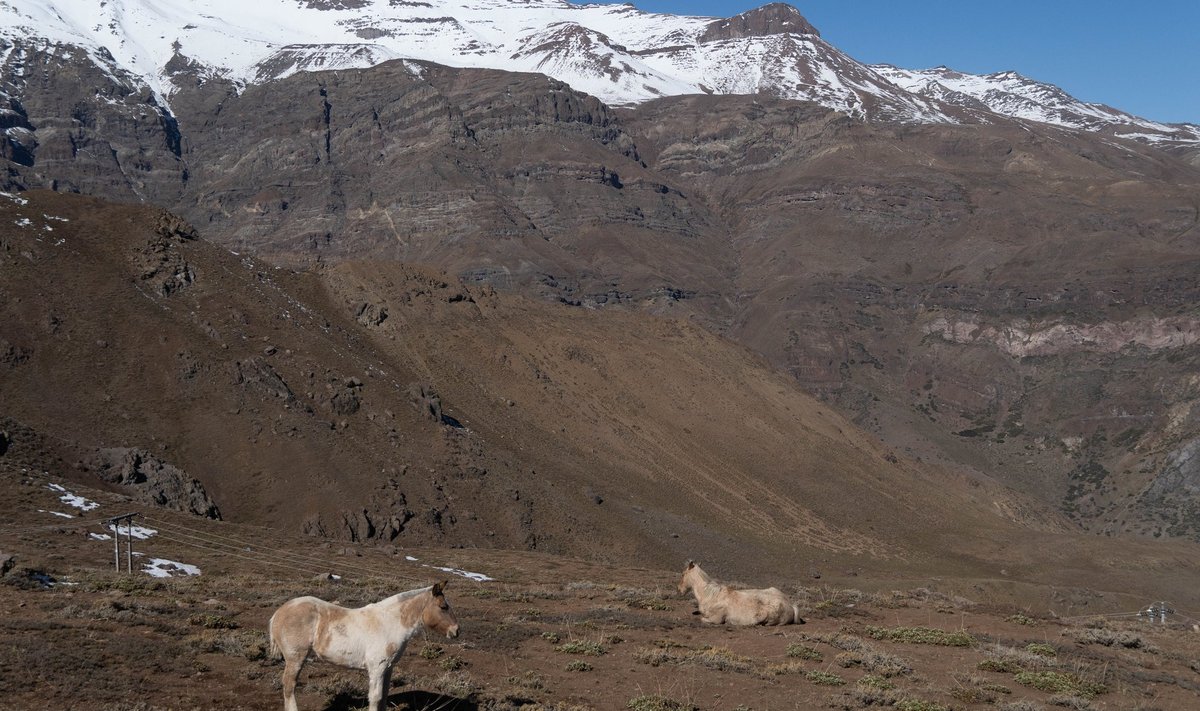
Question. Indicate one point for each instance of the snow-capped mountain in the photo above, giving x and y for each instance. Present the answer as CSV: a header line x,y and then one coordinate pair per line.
x,y
617,53
1010,94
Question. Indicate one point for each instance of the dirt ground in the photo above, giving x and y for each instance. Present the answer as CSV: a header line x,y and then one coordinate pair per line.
x,y
548,632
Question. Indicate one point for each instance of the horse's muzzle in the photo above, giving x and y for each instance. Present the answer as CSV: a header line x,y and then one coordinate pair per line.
x,y
452,632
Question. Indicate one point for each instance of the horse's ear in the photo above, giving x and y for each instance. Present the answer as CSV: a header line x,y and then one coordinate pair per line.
x,y
691,564
437,589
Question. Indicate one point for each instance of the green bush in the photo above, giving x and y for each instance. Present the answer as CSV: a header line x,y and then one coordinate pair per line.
x,y
581,646
1060,683
1004,666
650,702
212,622
825,678
922,635
802,651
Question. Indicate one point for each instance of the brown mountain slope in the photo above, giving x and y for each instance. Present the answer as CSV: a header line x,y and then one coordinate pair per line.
x,y
297,400
1010,299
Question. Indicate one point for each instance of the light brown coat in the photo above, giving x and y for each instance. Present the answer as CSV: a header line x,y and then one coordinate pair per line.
x,y
371,637
722,605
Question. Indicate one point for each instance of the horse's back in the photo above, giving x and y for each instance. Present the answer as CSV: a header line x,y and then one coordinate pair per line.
x,y
767,606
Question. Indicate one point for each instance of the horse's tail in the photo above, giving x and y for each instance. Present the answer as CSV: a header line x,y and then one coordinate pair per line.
x,y
796,618
274,652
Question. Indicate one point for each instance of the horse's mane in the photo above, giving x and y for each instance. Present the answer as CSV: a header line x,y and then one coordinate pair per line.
x,y
407,594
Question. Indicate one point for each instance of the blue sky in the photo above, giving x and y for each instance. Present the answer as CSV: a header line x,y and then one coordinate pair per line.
x,y
1143,58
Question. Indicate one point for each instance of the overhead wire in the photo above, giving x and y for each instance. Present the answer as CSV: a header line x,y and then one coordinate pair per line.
x,y
1185,614
255,552
72,523
241,552
299,558
1103,614
208,536
254,559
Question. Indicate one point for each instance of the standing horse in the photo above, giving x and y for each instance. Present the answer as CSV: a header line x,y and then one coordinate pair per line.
x,y
720,605
371,637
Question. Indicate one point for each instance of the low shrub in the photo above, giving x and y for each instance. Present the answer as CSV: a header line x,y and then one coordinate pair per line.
x,y
1055,682
918,705
653,702
212,621
994,664
581,646
922,635
803,651
825,678
431,651
871,681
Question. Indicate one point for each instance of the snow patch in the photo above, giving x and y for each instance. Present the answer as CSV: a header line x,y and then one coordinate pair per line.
x,y
139,532
163,568
56,513
478,577
100,537
71,499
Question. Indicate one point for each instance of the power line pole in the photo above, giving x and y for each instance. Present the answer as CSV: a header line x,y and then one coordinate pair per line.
x,y
115,521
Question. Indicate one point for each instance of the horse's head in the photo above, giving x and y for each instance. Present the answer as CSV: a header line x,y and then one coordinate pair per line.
x,y
688,581
437,615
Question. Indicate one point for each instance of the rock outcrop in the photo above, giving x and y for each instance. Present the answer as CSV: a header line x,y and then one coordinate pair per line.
x,y
148,478
772,19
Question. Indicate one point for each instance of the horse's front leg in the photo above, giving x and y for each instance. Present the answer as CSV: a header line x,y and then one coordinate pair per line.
x,y
713,615
380,673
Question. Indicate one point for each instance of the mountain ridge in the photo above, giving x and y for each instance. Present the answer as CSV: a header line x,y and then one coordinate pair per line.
x,y
618,53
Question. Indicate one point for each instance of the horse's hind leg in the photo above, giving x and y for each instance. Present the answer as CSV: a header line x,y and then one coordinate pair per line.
x,y
291,672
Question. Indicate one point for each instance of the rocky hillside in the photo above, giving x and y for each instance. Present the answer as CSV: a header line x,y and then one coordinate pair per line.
x,y
392,405
1005,299
384,403
930,282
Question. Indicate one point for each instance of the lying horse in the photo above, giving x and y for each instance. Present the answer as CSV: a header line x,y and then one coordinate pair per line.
x,y
721,605
371,637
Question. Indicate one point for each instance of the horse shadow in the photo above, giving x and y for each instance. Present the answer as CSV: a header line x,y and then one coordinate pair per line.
x,y
413,699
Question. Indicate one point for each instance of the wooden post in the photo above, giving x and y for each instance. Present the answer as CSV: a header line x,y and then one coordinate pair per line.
x,y
129,545
115,522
